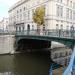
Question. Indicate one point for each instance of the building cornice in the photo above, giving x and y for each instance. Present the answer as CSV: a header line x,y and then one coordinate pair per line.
x,y
18,4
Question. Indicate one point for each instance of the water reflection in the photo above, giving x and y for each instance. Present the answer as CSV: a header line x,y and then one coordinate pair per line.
x,y
6,73
25,64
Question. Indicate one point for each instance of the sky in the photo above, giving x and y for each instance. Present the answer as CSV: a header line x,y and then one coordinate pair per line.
x,y
4,7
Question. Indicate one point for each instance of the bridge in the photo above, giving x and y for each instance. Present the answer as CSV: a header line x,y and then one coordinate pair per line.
x,y
67,37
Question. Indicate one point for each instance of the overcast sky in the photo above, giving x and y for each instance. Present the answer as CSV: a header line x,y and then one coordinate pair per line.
x,y
4,7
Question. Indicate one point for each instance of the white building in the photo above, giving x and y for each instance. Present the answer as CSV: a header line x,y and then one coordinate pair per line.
x,y
4,24
59,14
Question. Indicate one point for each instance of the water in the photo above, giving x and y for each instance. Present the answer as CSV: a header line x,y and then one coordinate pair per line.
x,y
25,64
36,63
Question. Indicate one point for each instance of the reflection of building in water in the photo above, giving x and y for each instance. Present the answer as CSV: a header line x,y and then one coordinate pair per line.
x,y
61,55
5,73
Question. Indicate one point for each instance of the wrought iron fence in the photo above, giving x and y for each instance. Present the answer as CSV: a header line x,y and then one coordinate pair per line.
x,y
53,33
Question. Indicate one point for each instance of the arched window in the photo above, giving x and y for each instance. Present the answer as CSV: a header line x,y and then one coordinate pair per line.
x,y
72,27
23,28
57,26
19,28
28,27
32,27
61,27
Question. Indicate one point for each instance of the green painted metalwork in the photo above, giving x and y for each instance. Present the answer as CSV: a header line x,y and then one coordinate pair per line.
x,y
64,36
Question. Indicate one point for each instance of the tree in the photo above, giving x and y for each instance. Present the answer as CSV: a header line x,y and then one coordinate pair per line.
x,y
38,15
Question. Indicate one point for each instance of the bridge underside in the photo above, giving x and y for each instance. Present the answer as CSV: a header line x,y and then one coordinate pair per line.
x,y
30,44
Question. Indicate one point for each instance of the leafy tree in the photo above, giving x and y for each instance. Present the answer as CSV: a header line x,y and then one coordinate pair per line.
x,y
38,15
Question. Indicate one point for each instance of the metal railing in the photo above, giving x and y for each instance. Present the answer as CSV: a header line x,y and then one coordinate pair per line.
x,y
7,33
52,33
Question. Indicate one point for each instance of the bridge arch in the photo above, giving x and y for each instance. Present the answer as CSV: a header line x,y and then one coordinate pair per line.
x,y
24,44
44,39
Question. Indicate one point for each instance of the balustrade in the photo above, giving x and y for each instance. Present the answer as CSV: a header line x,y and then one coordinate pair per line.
x,y
52,33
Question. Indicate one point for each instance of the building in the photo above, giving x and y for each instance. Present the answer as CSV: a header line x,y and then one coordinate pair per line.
x,y
61,55
4,24
59,14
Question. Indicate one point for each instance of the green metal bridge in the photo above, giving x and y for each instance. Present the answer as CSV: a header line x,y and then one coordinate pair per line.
x,y
67,37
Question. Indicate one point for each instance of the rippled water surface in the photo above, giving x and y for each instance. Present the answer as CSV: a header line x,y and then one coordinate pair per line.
x,y
24,64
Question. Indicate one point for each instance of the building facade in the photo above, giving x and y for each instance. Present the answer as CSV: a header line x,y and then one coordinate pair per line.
x,y
59,14
4,24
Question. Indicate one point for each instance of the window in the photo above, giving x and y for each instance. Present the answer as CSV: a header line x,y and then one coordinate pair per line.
x,y
24,8
66,53
70,52
61,54
17,11
33,11
71,3
72,27
43,28
20,10
23,28
57,27
74,15
59,11
20,16
56,55
19,28
61,27
28,15
59,1
70,14
32,27
65,61
67,13
67,2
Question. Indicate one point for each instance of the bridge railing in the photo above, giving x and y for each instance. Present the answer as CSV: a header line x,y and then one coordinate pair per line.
x,y
7,33
53,33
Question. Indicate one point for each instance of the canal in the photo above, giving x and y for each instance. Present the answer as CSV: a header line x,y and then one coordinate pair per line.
x,y
25,64
35,63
